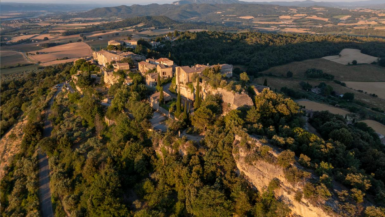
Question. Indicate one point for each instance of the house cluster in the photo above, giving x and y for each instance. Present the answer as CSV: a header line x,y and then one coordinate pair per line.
x,y
185,76
150,68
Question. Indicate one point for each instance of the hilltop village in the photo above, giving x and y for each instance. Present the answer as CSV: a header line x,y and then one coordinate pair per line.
x,y
199,80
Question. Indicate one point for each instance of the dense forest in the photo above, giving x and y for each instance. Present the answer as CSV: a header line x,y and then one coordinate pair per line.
x,y
260,51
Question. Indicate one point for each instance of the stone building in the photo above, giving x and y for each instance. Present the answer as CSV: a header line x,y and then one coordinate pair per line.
x,y
152,79
144,67
154,99
184,74
105,57
165,71
121,66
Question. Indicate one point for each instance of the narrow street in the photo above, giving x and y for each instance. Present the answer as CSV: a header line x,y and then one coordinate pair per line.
x,y
44,190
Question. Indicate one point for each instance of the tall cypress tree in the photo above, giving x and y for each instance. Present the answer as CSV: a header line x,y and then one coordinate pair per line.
x,y
197,102
158,82
161,96
178,104
265,82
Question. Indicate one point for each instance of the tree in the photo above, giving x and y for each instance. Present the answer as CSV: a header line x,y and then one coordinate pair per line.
x,y
244,78
232,120
161,96
289,74
354,62
158,84
286,158
197,102
46,39
265,82
348,96
202,118
178,104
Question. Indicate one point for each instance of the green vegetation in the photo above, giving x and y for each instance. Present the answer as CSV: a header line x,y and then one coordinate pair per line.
x,y
259,51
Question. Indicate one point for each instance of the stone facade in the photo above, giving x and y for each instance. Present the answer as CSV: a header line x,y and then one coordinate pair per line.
x,y
105,57
144,67
165,71
184,74
152,79
121,66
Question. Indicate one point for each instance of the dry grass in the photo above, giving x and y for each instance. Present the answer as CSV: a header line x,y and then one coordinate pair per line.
x,y
267,22
285,17
55,62
42,36
348,55
364,73
9,147
378,127
296,30
369,87
315,106
361,22
21,37
300,15
379,28
71,50
246,17
318,18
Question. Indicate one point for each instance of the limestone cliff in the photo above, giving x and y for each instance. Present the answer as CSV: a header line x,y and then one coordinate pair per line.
x,y
260,173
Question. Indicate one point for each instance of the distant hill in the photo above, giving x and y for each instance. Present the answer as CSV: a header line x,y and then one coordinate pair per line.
x,y
184,2
146,21
187,12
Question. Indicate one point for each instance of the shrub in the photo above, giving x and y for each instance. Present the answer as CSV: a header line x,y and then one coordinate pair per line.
x,y
286,158
298,196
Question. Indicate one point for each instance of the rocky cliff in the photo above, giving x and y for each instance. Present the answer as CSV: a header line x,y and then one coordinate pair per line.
x,y
260,173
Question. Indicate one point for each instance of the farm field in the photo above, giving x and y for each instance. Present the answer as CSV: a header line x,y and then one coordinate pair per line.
x,y
369,87
17,70
315,106
365,73
22,37
378,127
349,55
10,58
277,83
71,50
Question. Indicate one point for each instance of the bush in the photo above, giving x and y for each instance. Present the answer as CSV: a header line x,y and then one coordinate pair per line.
x,y
298,196
274,184
286,158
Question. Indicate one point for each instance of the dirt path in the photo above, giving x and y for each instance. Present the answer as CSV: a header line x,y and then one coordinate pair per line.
x,y
44,190
26,58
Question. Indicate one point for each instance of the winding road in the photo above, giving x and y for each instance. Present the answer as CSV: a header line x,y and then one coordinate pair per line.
x,y
44,190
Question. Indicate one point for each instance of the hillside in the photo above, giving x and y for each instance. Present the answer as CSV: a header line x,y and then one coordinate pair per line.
x,y
147,21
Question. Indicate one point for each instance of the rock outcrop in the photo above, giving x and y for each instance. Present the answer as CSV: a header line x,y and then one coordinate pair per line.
x,y
260,173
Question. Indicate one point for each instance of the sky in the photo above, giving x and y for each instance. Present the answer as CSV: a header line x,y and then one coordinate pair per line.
x,y
142,2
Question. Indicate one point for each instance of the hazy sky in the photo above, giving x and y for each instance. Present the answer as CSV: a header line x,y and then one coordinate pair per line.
x,y
130,2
